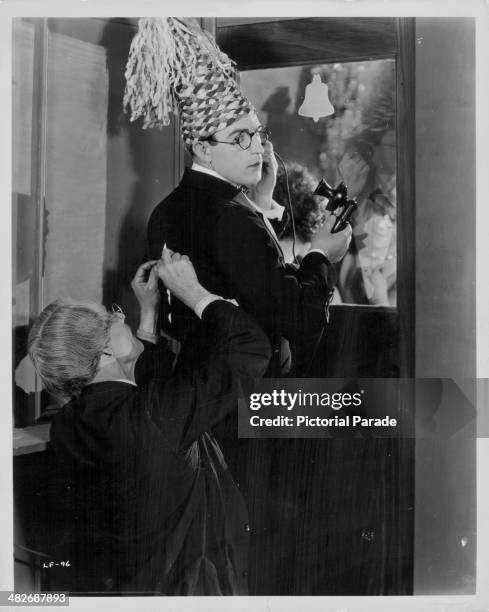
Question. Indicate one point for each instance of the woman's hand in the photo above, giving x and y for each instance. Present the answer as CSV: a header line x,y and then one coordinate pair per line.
x,y
333,245
145,286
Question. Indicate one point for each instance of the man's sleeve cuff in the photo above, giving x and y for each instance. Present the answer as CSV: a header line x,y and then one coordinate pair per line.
x,y
318,251
204,302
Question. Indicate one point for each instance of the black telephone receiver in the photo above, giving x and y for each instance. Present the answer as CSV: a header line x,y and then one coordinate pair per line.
x,y
339,204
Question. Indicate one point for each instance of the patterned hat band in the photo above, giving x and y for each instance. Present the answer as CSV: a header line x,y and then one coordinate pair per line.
x,y
213,102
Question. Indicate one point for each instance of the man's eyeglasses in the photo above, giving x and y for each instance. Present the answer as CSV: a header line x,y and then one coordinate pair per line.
x,y
244,138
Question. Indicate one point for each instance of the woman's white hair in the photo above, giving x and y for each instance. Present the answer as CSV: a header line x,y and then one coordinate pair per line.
x,y
66,343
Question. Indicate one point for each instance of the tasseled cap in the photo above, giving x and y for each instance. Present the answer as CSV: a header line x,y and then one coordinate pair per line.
x,y
174,66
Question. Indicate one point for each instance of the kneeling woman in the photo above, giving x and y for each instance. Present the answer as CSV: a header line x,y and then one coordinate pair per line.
x,y
154,506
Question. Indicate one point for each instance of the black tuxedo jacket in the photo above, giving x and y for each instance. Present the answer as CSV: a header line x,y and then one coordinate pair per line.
x,y
236,256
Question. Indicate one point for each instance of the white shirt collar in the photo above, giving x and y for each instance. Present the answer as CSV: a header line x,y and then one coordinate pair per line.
x,y
125,380
275,212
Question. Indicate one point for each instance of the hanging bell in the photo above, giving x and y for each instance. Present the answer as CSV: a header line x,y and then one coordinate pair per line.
x,y
316,101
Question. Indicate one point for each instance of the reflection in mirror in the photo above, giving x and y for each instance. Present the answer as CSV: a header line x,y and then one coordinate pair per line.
x,y
356,144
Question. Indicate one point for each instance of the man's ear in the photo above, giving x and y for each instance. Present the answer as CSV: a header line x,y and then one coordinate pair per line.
x,y
201,151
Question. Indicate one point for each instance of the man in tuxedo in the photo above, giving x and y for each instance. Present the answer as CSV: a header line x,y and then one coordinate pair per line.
x,y
219,214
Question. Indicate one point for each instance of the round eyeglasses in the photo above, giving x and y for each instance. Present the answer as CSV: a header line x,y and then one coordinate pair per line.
x,y
244,138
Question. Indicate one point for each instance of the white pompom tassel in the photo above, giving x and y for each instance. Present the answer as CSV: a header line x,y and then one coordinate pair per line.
x,y
162,59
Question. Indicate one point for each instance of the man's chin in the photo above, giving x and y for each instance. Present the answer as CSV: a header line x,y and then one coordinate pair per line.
x,y
253,181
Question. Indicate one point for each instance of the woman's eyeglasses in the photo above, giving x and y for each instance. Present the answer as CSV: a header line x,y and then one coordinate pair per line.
x,y
118,312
